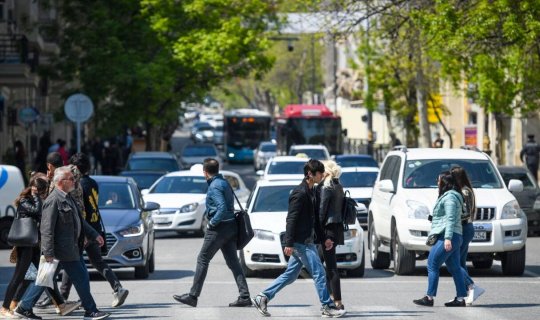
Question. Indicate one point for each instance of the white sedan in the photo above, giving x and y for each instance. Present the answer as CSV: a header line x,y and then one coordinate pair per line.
x,y
284,168
182,198
267,208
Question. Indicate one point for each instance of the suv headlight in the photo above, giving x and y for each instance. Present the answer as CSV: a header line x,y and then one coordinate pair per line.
x,y
511,210
350,234
417,210
264,235
132,231
189,207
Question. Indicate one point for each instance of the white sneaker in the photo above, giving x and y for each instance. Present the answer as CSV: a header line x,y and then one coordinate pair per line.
x,y
119,297
473,294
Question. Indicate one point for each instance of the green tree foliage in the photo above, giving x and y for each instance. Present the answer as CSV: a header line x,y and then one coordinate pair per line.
x,y
495,44
138,59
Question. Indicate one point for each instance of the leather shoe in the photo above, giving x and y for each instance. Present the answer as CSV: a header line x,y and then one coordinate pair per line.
x,y
186,298
241,302
455,303
424,301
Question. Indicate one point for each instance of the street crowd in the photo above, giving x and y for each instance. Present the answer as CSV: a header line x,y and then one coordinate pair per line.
x,y
64,203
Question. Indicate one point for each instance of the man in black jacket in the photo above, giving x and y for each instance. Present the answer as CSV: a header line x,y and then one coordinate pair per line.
x,y
531,151
300,244
90,195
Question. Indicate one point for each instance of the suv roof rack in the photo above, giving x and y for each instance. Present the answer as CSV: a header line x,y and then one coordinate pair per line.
x,y
470,147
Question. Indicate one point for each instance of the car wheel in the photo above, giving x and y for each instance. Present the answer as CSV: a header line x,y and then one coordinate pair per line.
x,y
379,260
358,272
151,263
482,264
404,260
143,271
513,262
5,225
247,271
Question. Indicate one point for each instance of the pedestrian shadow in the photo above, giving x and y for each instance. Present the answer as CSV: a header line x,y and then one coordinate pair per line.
x,y
156,275
507,305
144,306
385,314
291,305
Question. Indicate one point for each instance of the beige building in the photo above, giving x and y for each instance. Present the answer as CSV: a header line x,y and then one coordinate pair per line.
x,y
28,39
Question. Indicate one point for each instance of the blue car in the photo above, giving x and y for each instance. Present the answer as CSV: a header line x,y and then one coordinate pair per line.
x,y
128,225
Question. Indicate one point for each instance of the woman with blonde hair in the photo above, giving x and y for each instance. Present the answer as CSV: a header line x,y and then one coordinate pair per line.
x,y
330,225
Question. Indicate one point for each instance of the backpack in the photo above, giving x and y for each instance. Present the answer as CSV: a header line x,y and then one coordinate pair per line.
x,y
349,210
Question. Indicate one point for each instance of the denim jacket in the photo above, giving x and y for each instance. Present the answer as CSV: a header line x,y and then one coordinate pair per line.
x,y
447,215
219,201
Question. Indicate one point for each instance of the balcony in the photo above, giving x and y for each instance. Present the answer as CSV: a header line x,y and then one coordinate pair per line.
x,y
17,63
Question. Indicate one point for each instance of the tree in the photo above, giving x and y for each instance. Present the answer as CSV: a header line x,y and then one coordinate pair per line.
x,y
138,59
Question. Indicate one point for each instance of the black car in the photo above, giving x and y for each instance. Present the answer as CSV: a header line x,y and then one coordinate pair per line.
x,y
529,199
152,161
144,179
355,160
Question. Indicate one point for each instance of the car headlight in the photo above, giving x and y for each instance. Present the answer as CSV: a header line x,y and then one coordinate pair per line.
x,y
511,210
349,234
189,207
132,231
417,210
264,235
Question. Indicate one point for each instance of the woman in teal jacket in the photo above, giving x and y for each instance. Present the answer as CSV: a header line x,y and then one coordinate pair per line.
x,y
446,224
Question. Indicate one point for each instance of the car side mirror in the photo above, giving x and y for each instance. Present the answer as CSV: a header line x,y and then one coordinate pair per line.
x,y
361,208
145,191
260,173
386,186
151,206
515,185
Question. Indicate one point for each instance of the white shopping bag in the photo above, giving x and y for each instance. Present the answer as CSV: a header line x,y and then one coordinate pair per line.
x,y
46,271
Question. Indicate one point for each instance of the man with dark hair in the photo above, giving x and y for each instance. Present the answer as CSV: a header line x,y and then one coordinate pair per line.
x,y
90,212
221,234
531,151
300,245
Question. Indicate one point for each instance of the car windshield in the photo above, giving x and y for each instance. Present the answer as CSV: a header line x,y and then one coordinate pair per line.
x,y
114,195
424,173
521,176
268,148
156,164
357,162
182,184
284,167
318,154
358,179
144,181
199,151
272,199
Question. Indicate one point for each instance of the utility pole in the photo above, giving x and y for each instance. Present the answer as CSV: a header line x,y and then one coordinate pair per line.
x,y
366,90
313,95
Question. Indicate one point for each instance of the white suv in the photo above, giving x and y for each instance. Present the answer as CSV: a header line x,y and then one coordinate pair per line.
x,y
405,193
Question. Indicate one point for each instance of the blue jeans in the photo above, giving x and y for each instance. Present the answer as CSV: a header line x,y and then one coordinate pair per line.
x,y
308,256
79,276
33,292
468,235
437,256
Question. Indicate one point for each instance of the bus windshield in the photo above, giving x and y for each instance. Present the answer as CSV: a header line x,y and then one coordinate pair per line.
x,y
325,131
247,131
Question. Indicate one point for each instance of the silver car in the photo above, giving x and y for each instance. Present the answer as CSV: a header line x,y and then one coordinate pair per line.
x,y
264,152
128,225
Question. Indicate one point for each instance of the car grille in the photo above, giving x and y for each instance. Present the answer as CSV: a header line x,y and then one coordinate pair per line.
x,y
111,241
483,214
167,211
260,257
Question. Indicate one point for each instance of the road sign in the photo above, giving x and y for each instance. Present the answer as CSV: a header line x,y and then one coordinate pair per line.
x,y
78,108
28,115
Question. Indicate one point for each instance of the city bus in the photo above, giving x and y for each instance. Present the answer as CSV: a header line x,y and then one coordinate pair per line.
x,y
308,124
243,130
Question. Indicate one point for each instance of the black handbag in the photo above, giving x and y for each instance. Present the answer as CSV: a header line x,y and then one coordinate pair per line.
x,y
23,232
432,239
245,231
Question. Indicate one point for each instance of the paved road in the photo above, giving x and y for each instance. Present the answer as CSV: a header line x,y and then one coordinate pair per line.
x,y
379,295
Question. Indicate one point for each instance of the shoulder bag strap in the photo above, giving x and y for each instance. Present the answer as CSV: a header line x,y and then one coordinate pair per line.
x,y
234,194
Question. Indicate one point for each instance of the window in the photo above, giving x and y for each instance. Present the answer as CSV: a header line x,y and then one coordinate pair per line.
x,y
233,182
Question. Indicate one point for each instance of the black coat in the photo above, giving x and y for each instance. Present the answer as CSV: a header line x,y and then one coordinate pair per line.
x,y
301,216
330,207
30,207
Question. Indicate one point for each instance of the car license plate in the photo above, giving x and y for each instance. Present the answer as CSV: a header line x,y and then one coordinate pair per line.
x,y
479,236
161,219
